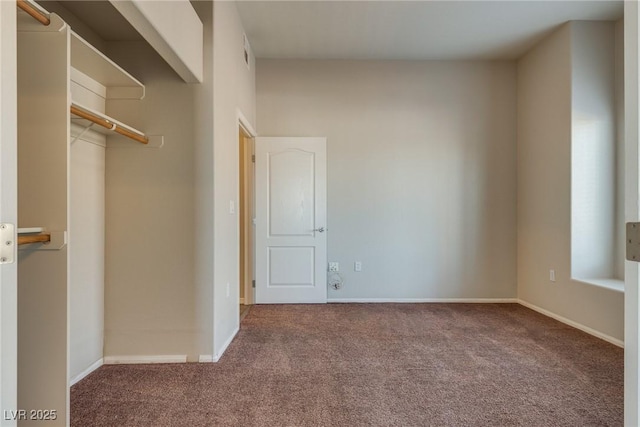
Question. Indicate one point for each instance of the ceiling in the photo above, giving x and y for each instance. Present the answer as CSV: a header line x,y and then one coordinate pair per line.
x,y
412,30
392,29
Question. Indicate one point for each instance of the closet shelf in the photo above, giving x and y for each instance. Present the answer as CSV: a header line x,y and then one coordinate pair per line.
x,y
87,117
90,61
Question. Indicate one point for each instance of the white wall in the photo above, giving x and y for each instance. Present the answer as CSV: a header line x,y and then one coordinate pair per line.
x,y
233,88
620,251
544,192
593,151
421,170
172,28
86,239
86,256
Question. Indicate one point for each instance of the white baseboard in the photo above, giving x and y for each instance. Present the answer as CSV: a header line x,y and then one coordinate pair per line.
x,y
87,371
219,354
423,300
576,325
133,360
205,358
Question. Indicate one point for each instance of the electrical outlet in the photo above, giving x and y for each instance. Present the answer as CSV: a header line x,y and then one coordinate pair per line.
x,y
228,290
232,207
552,275
357,266
334,267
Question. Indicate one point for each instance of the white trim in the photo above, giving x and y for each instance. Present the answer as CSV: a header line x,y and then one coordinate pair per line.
x,y
611,284
423,300
8,208
631,187
205,358
576,325
134,360
245,124
87,371
219,354
242,301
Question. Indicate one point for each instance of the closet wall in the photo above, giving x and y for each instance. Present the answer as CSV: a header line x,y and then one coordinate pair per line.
x,y
120,211
149,274
43,158
141,217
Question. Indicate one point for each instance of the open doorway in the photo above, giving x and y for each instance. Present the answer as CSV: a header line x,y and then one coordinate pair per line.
x,y
246,214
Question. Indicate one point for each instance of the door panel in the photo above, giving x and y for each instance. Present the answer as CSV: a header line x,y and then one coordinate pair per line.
x,y
291,242
291,198
291,266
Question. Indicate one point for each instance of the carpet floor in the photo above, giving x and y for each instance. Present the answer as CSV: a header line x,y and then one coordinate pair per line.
x,y
373,365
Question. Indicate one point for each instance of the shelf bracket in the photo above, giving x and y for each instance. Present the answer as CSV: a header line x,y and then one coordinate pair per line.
x,y
81,134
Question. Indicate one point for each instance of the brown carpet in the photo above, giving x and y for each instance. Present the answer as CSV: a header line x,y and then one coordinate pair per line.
x,y
373,365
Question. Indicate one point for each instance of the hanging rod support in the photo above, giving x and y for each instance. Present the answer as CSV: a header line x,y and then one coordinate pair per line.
x,y
108,125
81,134
33,11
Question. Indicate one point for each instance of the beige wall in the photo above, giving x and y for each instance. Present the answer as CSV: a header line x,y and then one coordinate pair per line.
x,y
149,268
203,180
234,89
421,170
544,192
43,197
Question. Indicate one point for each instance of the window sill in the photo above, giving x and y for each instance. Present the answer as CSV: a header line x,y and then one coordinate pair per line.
x,y
612,284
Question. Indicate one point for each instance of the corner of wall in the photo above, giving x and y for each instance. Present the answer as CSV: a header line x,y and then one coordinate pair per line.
x,y
234,88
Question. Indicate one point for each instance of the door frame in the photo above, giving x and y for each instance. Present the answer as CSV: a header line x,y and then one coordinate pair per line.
x,y
8,208
244,126
632,213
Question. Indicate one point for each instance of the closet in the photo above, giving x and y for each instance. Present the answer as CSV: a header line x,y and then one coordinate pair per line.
x,y
68,92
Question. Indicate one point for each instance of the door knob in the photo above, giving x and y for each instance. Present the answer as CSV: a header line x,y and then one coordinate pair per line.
x,y
319,230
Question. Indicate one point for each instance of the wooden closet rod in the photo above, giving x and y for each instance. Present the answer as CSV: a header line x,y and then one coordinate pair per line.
x,y
34,238
108,125
33,12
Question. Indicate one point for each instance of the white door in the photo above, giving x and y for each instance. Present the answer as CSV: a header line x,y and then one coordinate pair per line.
x,y
291,214
8,213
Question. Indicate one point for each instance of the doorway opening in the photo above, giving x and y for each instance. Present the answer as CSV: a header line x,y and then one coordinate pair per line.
x,y
246,213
